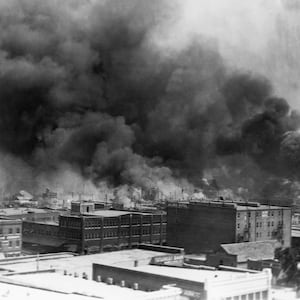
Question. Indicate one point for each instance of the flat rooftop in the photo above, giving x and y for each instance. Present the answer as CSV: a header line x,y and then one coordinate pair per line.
x,y
23,211
113,213
261,207
240,206
81,263
55,286
77,286
195,275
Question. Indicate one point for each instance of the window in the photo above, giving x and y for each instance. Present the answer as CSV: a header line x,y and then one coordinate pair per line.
x,y
18,230
10,244
257,224
279,213
17,243
238,215
249,214
260,224
272,223
1,231
238,225
256,234
272,213
10,231
268,224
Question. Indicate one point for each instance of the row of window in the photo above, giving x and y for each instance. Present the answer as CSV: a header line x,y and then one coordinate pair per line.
x,y
252,296
16,243
124,233
259,213
11,230
259,224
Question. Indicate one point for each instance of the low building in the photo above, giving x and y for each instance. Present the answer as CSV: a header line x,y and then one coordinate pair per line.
x,y
10,237
52,285
127,271
23,198
71,263
238,254
195,284
204,226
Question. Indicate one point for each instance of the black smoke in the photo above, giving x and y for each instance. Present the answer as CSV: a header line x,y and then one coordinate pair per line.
x,y
84,86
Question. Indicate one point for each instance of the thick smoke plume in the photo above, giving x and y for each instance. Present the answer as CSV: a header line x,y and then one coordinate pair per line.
x,y
99,94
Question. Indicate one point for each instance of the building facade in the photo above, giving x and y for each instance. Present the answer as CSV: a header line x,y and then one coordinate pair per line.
x,y
204,226
10,237
111,230
87,230
195,284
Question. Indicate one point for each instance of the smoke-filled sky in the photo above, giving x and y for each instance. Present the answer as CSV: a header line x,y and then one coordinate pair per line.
x,y
147,93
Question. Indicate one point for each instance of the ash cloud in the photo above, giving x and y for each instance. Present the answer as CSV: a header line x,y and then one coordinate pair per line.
x,y
89,88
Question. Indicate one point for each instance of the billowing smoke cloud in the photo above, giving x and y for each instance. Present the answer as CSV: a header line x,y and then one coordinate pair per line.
x,y
103,90
81,86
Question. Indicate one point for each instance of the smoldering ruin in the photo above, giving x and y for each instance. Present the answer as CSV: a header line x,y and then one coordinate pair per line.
x,y
114,93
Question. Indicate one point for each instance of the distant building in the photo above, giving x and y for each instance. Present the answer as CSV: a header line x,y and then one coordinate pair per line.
x,y
238,254
31,214
10,237
204,226
51,200
23,198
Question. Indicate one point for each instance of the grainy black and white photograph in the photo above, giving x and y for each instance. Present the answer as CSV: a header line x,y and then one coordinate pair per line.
x,y
150,149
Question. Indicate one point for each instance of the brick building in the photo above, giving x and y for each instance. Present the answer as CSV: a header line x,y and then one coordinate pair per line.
x,y
10,237
204,226
88,230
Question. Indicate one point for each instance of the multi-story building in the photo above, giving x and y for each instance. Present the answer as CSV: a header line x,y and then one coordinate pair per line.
x,y
204,226
10,237
87,230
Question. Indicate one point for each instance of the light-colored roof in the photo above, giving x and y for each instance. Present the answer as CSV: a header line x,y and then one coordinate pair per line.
x,y
22,210
56,286
261,207
113,213
237,205
252,250
83,263
72,285
295,231
194,275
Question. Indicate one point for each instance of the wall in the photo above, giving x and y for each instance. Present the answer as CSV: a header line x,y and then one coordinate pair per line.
x,y
287,227
200,228
221,258
264,224
94,234
146,281
10,237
